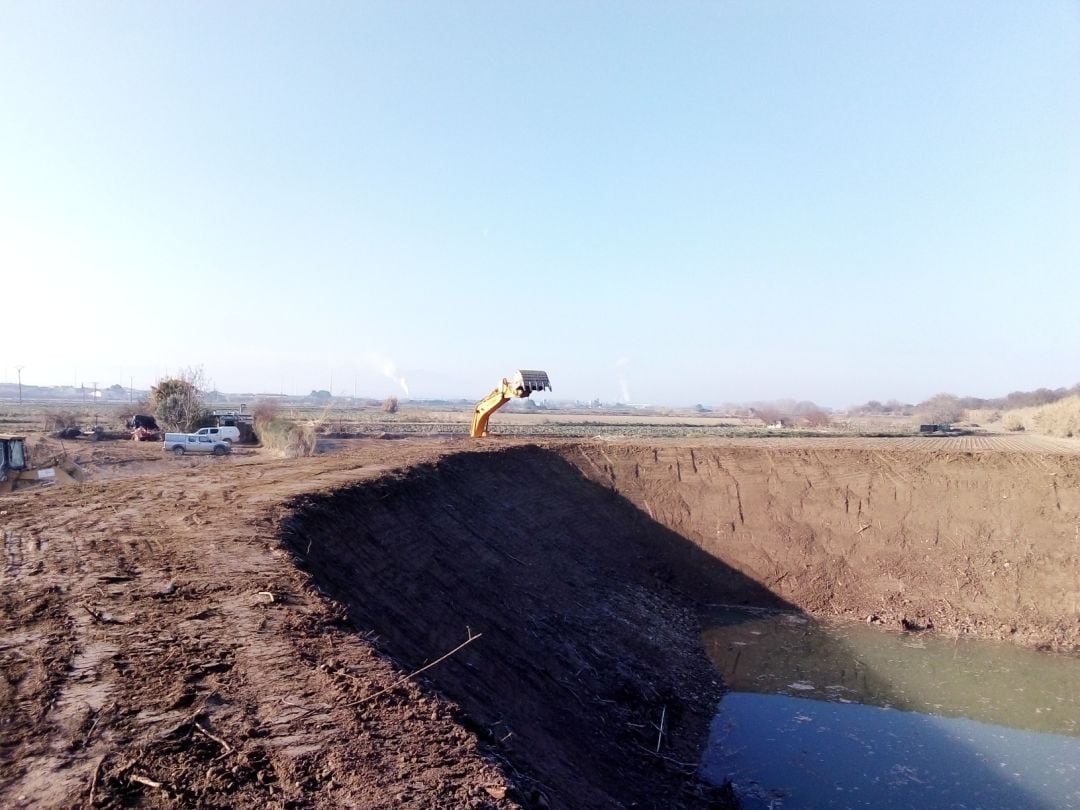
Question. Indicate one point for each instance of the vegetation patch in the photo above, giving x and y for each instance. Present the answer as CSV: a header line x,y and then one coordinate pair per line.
x,y
1061,418
284,436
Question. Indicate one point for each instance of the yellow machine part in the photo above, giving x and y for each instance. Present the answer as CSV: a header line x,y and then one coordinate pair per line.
x,y
523,383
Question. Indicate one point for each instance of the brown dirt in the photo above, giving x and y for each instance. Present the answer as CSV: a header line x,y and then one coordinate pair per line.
x,y
217,632
985,543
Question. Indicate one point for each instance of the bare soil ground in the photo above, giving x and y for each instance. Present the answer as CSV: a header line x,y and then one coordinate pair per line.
x,y
984,542
160,649
236,632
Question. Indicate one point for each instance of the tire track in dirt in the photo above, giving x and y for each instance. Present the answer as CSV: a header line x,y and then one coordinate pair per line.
x,y
156,613
142,613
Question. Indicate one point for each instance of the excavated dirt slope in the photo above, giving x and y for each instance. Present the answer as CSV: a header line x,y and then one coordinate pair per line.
x,y
986,543
237,632
586,650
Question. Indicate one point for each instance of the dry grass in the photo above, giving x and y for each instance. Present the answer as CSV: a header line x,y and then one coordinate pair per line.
x,y
286,438
982,416
65,419
1061,418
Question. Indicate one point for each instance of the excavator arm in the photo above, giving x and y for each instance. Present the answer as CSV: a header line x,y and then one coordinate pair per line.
x,y
523,383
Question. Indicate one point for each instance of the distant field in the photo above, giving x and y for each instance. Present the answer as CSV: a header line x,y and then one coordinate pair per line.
x,y
344,422
933,444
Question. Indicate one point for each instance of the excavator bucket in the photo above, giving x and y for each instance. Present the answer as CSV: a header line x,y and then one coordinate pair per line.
x,y
527,381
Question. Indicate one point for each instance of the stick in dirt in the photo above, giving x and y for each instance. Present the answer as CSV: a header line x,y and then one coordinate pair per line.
x,y
411,675
660,728
146,780
94,781
198,727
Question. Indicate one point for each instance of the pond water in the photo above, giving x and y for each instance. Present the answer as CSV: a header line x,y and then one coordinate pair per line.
x,y
843,715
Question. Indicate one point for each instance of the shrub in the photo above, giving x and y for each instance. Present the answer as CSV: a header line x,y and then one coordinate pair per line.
x,y
286,438
815,418
1060,418
62,420
939,409
177,402
1013,422
767,414
266,410
390,405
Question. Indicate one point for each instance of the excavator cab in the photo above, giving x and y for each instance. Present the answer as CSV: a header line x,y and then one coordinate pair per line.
x,y
15,467
523,383
12,453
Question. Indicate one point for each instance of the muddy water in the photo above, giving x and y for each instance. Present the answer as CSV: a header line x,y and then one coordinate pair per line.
x,y
845,715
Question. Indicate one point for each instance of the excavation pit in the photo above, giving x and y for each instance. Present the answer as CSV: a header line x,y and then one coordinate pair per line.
x,y
586,569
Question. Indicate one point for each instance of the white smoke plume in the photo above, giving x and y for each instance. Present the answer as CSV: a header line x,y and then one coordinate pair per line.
x,y
387,368
624,386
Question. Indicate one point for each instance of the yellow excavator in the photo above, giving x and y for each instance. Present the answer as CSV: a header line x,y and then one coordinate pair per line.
x,y
519,386
16,471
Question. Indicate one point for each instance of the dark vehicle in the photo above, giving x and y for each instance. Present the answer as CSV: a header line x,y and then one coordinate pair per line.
x,y
144,428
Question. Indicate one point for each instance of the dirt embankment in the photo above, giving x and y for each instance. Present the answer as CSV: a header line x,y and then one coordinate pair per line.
x,y
985,543
585,653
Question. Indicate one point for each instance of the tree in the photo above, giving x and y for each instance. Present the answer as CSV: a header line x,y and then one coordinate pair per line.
x,y
768,414
814,417
939,409
390,405
177,402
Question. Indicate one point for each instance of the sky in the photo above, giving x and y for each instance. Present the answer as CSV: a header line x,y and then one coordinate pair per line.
x,y
664,203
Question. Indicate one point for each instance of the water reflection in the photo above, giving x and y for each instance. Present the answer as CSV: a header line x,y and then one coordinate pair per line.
x,y
843,715
784,752
994,682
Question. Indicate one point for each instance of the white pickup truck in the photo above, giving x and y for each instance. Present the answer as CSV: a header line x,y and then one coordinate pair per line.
x,y
226,434
181,443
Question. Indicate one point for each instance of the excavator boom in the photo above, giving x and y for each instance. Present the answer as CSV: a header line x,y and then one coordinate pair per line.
x,y
523,383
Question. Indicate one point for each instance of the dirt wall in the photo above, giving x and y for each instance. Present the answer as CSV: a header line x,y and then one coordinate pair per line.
x,y
584,567
987,543
587,649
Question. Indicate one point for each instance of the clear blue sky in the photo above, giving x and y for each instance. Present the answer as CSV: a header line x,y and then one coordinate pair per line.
x,y
667,202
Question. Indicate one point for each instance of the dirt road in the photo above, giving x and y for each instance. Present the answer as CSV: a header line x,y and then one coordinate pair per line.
x,y
160,649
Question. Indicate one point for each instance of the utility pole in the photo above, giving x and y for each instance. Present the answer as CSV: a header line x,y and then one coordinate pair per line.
x,y
18,370
131,383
